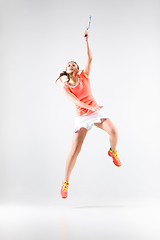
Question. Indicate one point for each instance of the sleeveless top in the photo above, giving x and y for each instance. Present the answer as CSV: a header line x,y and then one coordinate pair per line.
x,y
83,92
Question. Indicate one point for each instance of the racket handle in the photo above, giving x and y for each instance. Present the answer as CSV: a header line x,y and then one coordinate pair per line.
x,y
86,34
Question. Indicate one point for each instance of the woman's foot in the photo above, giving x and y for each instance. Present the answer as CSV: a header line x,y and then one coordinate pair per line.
x,y
115,158
64,189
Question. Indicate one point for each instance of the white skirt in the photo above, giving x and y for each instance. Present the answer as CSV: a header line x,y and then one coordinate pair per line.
x,y
88,121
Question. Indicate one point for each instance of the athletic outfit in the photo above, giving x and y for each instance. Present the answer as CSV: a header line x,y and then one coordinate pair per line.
x,y
85,117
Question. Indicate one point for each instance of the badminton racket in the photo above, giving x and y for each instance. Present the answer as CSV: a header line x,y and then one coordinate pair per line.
x,y
89,23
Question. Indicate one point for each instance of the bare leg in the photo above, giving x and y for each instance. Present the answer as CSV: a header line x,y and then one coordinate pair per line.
x,y
109,127
77,142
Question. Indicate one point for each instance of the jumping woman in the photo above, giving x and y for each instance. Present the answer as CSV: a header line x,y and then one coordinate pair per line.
x,y
88,113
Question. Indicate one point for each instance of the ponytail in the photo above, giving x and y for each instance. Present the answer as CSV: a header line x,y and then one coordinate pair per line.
x,y
64,73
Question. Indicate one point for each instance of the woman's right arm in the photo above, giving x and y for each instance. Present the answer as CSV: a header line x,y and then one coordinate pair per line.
x,y
74,99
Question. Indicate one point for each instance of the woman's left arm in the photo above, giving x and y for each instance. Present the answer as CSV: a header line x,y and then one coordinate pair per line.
x,y
89,56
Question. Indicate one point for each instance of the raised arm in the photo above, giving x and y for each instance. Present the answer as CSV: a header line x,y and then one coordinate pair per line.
x,y
87,68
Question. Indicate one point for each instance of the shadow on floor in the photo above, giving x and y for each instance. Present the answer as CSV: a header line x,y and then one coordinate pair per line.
x,y
104,206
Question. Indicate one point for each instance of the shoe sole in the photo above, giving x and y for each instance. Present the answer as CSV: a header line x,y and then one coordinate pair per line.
x,y
117,165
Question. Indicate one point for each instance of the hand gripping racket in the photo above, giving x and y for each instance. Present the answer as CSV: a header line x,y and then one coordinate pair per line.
x,y
89,23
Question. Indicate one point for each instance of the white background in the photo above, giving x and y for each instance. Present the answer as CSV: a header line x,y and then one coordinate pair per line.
x,y
37,39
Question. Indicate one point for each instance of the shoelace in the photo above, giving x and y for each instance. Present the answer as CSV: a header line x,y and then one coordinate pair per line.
x,y
115,154
65,186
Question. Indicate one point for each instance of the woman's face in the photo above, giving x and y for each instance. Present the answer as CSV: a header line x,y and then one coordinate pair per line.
x,y
71,67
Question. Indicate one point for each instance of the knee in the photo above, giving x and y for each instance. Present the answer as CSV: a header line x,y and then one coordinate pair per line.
x,y
114,132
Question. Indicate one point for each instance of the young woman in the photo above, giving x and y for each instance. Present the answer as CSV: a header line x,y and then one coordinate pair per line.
x,y
89,113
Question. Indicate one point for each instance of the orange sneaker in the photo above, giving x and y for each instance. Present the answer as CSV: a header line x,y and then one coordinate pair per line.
x,y
115,158
64,189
